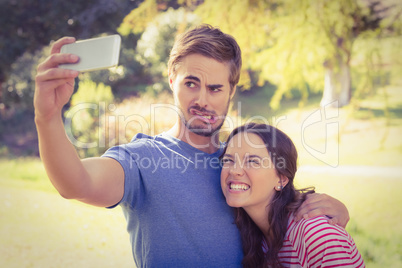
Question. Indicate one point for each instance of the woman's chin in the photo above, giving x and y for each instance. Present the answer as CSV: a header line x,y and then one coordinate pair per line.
x,y
234,203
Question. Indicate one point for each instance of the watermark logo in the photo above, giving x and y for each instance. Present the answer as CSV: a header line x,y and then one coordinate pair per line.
x,y
319,131
322,125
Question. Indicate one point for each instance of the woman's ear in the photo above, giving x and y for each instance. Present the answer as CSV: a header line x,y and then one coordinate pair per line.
x,y
283,180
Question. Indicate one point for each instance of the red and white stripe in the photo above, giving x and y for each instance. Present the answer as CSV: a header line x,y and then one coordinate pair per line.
x,y
315,243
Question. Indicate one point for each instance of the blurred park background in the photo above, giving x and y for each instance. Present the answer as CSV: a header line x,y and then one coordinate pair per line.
x,y
329,73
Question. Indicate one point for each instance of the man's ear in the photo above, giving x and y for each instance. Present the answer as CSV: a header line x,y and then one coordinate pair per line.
x,y
171,80
171,83
233,92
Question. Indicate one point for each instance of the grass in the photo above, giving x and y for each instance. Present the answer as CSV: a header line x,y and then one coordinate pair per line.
x,y
41,229
374,208
26,173
38,228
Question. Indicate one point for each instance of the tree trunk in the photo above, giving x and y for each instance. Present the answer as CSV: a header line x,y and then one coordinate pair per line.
x,y
337,87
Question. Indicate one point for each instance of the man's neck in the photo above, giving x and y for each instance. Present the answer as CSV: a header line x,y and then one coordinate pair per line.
x,y
206,144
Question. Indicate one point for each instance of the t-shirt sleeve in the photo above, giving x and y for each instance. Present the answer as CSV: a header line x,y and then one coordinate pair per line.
x,y
132,175
329,246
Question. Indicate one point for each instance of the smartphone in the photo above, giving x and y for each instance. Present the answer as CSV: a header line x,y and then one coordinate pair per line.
x,y
95,54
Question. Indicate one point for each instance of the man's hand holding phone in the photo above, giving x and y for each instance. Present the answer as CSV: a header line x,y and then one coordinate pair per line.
x,y
54,86
54,81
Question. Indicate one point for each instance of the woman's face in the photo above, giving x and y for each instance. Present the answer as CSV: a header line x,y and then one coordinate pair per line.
x,y
248,177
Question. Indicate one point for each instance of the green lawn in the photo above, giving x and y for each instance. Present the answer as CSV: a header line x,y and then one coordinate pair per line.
x,y
374,204
40,229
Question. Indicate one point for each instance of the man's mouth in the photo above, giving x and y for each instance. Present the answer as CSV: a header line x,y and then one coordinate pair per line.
x,y
204,116
238,186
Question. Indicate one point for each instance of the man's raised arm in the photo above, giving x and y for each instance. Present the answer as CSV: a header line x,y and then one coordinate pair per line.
x,y
96,181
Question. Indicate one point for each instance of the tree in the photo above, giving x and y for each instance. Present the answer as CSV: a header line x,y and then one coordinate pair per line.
x,y
295,44
83,125
28,26
153,48
157,22
355,21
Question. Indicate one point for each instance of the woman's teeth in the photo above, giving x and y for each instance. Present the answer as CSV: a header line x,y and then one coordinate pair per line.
x,y
239,187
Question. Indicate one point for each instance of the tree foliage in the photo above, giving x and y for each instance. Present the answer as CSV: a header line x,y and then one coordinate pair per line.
x,y
83,123
290,43
247,22
138,19
156,41
157,22
28,26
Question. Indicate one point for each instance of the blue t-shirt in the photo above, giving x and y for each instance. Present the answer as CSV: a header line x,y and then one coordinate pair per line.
x,y
176,213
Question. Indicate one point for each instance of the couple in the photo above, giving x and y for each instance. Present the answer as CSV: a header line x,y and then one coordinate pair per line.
x,y
176,214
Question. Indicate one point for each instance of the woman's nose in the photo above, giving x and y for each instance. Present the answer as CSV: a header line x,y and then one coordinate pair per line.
x,y
237,169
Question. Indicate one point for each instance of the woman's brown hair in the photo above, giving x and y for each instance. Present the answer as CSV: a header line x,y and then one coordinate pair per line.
x,y
283,155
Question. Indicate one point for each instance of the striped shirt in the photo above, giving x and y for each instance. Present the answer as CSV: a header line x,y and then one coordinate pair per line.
x,y
316,243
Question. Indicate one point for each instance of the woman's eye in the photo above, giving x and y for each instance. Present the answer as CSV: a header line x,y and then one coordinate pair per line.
x,y
227,160
254,161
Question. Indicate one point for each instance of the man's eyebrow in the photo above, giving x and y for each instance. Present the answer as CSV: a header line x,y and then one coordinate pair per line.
x,y
215,86
192,77
195,78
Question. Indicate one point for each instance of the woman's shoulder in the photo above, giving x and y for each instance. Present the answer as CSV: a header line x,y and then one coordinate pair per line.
x,y
317,242
316,230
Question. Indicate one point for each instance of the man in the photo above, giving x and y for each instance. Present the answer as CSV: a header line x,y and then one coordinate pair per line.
x,y
167,185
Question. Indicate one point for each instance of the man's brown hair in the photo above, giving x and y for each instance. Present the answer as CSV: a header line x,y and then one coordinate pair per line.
x,y
210,42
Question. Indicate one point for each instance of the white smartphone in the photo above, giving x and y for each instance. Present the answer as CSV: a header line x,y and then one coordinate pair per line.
x,y
95,54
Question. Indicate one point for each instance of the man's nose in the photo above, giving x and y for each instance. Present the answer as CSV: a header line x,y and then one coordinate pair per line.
x,y
202,98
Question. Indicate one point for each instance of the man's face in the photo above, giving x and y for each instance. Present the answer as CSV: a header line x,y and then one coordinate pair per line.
x,y
202,93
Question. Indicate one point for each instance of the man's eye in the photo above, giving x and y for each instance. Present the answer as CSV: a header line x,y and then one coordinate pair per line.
x,y
190,84
214,89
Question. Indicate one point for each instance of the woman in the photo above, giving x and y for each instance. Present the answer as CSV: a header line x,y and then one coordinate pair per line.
x,y
259,166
